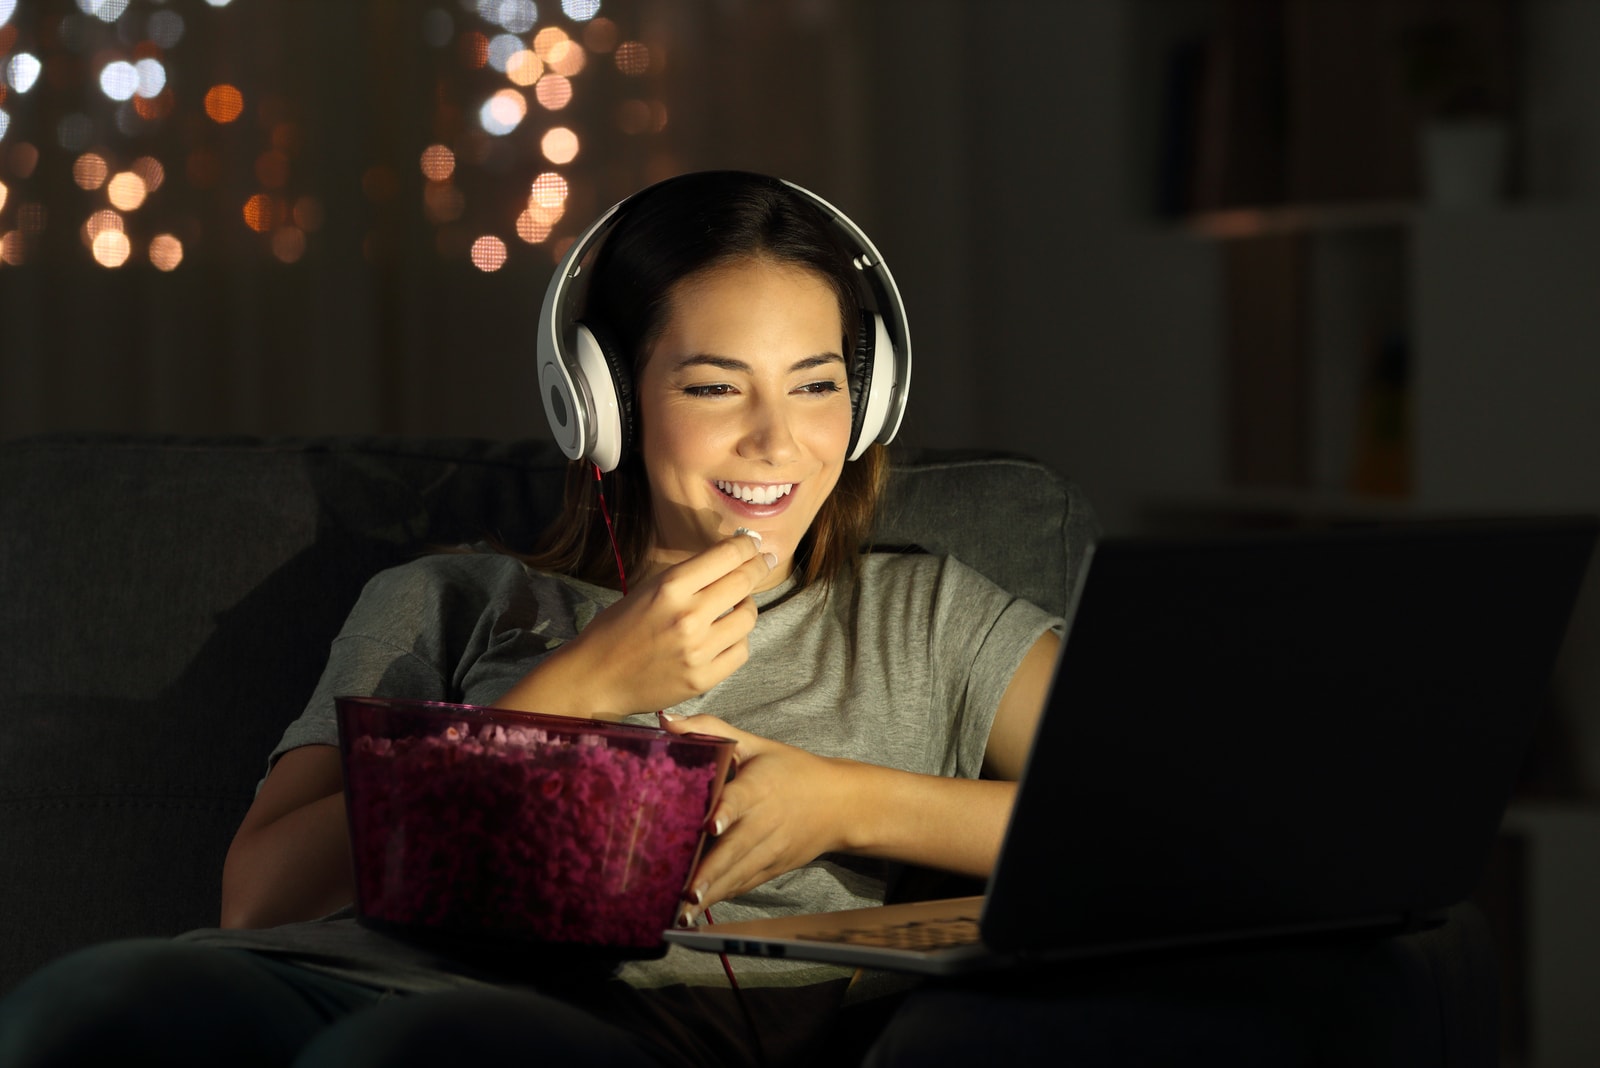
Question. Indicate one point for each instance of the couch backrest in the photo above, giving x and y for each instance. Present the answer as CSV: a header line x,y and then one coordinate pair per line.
x,y
166,605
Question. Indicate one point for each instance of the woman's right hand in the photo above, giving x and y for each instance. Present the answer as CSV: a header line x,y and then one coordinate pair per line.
x,y
674,636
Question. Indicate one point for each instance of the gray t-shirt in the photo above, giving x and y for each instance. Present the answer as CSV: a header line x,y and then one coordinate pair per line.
x,y
903,667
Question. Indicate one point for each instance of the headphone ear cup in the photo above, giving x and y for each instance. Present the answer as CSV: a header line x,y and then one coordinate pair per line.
x,y
859,377
610,379
872,384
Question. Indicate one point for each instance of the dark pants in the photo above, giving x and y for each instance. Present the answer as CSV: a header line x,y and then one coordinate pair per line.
x,y
152,1001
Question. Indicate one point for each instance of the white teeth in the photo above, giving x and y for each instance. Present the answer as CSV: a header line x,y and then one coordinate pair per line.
x,y
765,494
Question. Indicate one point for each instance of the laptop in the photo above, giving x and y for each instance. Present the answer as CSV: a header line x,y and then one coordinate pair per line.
x,y
1250,736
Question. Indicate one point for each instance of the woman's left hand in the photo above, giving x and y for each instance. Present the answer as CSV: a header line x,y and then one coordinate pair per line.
x,y
785,808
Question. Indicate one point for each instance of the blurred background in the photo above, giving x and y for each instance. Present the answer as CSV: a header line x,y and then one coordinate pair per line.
x,y
1221,261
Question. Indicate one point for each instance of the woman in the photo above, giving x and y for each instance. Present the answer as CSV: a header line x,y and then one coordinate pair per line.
x,y
867,694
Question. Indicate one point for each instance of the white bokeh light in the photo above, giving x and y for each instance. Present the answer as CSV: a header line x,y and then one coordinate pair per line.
x,y
152,78
119,80
502,112
22,71
580,10
7,7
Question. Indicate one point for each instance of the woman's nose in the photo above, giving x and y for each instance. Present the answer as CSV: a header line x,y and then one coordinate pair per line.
x,y
768,435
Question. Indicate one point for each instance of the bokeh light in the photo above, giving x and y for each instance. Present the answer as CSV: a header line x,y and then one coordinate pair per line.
x,y
4,193
502,46
308,214
105,10
99,222
152,78
514,16
549,190
502,112
150,169
126,191
438,163
524,67
633,58
90,171
566,57
6,8
260,213
442,202
13,248
22,71
119,80
166,252
601,36
580,10
165,28
111,248
488,253
559,145
553,92
289,244
224,103
5,123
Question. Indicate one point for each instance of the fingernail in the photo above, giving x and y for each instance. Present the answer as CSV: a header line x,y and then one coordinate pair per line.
x,y
685,916
751,533
671,717
698,894
772,560
719,825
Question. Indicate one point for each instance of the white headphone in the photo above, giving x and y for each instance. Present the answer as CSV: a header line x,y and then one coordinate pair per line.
x,y
587,386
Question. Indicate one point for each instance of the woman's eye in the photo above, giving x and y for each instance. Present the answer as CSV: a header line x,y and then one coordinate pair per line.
x,y
827,386
716,389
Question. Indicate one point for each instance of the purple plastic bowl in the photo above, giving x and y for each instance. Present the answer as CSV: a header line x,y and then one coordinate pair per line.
x,y
519,829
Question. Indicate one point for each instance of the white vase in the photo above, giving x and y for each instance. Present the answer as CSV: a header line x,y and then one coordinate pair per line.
x,y
1465,162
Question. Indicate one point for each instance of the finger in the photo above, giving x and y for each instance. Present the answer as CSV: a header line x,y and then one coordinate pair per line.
x,y
716,562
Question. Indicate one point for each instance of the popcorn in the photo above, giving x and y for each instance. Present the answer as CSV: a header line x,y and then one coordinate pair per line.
x,y
543,836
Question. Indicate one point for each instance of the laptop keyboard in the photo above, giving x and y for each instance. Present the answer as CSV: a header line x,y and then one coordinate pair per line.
x,y
917,935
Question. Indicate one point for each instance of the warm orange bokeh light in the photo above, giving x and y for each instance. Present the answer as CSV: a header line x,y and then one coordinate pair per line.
x,y
553,92
259,213
224,103
531,228
488,253
559,145
633,58
438,163
166,252
100,222
524,68
89,171
126,191
549,190
112,248
150,169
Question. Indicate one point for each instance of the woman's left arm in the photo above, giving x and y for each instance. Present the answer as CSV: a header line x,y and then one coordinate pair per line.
x,y
788,806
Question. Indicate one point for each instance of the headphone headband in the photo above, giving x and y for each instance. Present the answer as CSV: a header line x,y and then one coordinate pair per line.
x,y
586,404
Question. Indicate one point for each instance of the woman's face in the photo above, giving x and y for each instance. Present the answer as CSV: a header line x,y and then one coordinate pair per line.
x,y
744,409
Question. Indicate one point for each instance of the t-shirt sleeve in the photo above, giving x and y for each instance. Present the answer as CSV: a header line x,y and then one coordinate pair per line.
x,y
982,627
416,632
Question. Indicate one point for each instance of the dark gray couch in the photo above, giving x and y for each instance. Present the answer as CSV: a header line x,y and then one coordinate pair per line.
x,y
166,605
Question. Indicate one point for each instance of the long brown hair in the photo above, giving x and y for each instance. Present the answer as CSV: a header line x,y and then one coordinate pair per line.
x,y
662,236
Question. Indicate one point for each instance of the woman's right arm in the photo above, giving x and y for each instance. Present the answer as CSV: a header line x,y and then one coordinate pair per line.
x,y
290,858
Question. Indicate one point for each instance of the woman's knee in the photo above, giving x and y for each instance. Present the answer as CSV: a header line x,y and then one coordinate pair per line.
x,y
472,1027
172,1001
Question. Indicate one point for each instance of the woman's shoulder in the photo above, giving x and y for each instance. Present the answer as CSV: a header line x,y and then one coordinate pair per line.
x,y
483,569
914,567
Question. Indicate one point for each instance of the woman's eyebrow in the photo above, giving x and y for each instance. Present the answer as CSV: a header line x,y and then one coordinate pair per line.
x,y
729,363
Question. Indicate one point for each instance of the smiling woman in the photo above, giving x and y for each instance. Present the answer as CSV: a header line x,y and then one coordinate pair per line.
x,y
744,410
739,359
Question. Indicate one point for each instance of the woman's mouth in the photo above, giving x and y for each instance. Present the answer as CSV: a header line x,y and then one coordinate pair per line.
x,y
759,494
